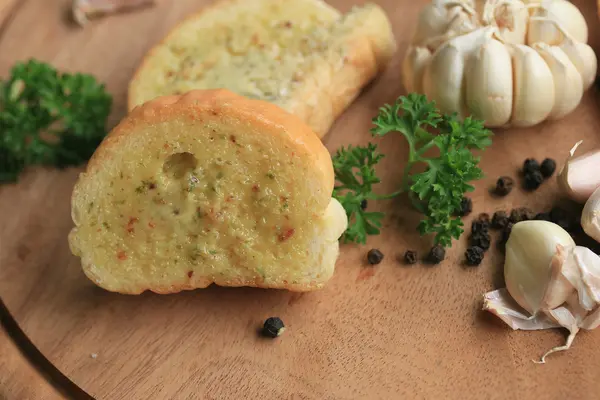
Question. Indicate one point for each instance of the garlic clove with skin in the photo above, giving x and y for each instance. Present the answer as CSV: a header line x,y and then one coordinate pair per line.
x,y
550,282
568,85
579,177
566,14
413,67
534,252
436,17
489,84
533,87
584,59
590,216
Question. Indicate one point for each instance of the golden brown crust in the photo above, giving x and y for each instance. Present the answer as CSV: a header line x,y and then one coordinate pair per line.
x,y
371,47
271,119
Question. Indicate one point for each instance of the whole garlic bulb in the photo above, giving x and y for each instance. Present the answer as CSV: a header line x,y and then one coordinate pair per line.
x,y
502,61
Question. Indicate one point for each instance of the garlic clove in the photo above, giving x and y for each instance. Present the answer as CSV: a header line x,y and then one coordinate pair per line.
x,y
533,87
584,59
535,250
413,67
579,177
568,85
564,13
489,84
582,270
500,303
590,216
443,80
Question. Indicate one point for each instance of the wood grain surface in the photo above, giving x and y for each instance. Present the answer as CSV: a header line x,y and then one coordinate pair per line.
x,y
384,332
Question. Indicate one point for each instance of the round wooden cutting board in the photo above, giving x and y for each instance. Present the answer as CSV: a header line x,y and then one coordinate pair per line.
x,y
383,332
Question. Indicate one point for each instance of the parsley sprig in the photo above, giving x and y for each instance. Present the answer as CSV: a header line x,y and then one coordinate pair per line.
x,y
49,118
437,191
355,171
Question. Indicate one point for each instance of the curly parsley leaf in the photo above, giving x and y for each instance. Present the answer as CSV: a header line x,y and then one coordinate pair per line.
x,y
355,176
49,118
438,190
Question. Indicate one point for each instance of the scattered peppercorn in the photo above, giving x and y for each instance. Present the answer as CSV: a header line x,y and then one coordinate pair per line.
x,y
506,234
374,256
533,180
273,327
363,204
504,185
474,255
479,226
530,165
500,220
410,257
466,206
521,214
543,216
484,218
548,167
480,239
563,219
436,254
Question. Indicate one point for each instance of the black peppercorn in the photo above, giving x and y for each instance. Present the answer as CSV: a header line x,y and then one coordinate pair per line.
x,y
273,327
504,185
500,220
479,226
436,254
466,206
530,165
562,218
410,257
480,239
543,216
506,234
533,180
474,255
374,256
363,204
521,214
548,167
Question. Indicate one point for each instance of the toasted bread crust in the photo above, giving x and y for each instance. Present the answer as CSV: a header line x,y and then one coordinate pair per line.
x,y
268,118
370,47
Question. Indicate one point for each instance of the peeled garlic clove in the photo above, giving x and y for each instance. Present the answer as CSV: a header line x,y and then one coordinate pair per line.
x,y
590,217
489,84
584,59
579,177
443,80
413,68
564,13
568,85
533,87
535,250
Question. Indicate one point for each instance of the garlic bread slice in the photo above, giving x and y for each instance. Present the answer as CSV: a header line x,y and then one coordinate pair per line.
x,y
208,187
302,55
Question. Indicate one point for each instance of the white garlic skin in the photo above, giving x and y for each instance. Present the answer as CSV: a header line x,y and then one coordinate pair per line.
x,y
531,253
563,12
551,65
579,177
590,216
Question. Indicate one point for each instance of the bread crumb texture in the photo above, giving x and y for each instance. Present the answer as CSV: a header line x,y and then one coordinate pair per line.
x,y
207,187
302,55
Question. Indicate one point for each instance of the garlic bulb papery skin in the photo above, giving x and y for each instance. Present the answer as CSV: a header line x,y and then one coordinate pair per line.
x,y
551,65
550,282
565,13
579,176
590,216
